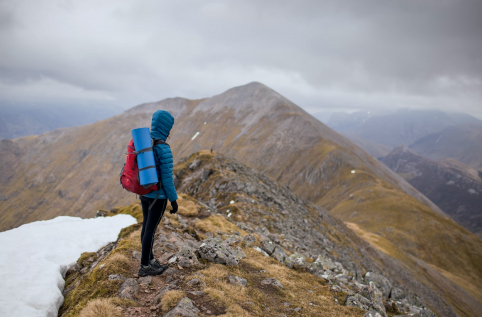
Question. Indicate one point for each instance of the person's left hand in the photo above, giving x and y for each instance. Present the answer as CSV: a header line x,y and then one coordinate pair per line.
x,y
174,207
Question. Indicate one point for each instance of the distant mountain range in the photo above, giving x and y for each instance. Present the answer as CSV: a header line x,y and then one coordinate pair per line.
x,y
404,126
462,142
73,171
453,186
22,120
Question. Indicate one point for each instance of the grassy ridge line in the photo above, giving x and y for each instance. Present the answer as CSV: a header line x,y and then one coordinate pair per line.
x,y
95,293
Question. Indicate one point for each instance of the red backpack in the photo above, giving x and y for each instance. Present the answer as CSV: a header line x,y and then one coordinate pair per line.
x,y
129,175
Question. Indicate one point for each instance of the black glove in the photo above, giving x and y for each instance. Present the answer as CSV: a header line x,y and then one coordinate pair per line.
x,y
174,207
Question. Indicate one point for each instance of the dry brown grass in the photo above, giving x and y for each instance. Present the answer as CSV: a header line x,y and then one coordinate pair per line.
x,y
187,207
100,307
171,298
268,301
216,224
117,260
376,241
97,284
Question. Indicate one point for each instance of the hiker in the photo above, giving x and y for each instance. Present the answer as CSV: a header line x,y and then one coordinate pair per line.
x,y
162,122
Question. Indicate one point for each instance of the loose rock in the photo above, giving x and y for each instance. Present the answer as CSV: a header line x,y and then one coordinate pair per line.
x,y
129,289
267,246
215,251
380,281
184,308
249,239
296,261
237,280
279,254
272,281
186,257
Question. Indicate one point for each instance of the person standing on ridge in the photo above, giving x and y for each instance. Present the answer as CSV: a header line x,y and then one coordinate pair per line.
x,y
162,122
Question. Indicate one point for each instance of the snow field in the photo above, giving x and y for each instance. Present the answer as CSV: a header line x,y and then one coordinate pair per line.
x,y
34,257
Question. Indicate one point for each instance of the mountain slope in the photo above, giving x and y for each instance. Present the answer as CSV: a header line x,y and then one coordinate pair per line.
x,y
247,209
454,188
403,126
461,142
70,171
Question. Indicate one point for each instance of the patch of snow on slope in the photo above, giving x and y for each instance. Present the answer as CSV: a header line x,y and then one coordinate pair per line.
x,y
34,257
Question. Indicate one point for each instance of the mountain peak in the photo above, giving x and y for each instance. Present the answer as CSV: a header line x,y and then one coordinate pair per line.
x,y
252,97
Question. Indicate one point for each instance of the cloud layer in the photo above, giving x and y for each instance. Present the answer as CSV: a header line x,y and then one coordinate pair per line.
x,y
320,54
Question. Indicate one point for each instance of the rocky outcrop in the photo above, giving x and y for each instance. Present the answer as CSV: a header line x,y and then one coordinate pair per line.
x,y
218,251
300,235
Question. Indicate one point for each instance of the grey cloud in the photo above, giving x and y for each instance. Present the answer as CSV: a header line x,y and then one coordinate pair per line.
x,y
368,53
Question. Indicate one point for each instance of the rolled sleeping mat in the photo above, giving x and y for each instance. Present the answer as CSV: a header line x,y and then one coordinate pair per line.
x,y
145,157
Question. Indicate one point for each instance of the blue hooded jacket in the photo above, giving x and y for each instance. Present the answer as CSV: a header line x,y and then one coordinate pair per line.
x,y
162,122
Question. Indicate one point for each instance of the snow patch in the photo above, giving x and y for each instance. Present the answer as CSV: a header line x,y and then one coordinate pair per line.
x,y
36,256
197,133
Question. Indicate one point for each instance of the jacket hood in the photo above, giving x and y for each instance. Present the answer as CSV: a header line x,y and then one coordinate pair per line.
x,y
162,122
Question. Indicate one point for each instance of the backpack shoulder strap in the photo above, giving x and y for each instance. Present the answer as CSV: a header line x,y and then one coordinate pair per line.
x,y
156,142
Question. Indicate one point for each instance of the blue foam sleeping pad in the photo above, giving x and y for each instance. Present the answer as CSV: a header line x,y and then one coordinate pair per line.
x,y
142,140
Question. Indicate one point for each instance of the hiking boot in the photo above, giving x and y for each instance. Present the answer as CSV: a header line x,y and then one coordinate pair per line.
x,y
150,270
158,265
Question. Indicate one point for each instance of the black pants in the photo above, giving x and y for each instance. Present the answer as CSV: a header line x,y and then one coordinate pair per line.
x,y
149,225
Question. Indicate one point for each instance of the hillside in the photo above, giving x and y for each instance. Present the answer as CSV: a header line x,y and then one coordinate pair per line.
x,y
462,142
248,214
70,171
403,126
455,188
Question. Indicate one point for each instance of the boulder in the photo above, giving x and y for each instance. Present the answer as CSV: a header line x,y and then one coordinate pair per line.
x,y
359,301
232,241
186,257
272,281
342,278
184,308
128,289
233,279
397,294
215,251
376,298
279,254
267,246
316,268
249,239
261,251
295,261
196,282
328,263
380,281
364,303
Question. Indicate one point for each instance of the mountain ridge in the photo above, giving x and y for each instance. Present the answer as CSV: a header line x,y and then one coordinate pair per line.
x,y
455,188
461,142
70,172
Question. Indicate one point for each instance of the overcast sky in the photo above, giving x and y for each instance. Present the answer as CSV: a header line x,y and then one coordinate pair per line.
x,y
322,55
